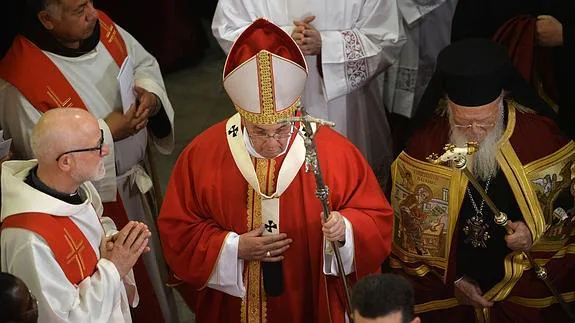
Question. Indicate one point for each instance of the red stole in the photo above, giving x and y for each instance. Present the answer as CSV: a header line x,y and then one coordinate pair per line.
x,y
22,67
28,69
71,249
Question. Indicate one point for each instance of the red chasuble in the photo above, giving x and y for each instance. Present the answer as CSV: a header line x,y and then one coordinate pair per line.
x,y
71,249
207,197
528,300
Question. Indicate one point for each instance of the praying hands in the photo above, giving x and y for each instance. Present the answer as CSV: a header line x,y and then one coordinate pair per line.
x,y
306,36
125,247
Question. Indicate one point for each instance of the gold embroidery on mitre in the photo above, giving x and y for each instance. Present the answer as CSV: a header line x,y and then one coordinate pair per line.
x,y
265,73
268,113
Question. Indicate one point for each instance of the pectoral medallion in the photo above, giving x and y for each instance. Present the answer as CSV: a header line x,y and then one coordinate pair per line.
x,y
477,231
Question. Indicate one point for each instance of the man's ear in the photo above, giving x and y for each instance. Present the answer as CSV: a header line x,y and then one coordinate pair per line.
x,y
416,320
65,163
46,19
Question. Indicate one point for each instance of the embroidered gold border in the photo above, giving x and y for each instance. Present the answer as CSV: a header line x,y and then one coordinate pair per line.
x,y
566,250
567,153
436,305
259,118
516,263
253,308
265,75
457,186
418,271
482,315
268,114
552,159
510,165
517,178
541,302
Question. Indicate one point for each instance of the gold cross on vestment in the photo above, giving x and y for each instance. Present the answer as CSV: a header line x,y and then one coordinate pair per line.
x,y
59,102
75,253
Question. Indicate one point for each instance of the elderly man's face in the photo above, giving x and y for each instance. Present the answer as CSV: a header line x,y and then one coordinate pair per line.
x,y
269,140
72,21
476,122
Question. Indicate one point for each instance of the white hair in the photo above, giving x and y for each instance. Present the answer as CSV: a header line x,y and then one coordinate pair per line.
x,y
54,8
483,164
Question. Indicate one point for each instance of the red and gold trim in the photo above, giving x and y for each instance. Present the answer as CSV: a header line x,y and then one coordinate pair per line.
x,y
51,89
111,38
253,308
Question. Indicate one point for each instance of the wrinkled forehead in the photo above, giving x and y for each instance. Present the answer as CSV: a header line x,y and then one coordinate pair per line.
x,y
70,5
487,111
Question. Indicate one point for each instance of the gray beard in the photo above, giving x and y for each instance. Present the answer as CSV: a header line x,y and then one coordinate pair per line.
x,y
483,164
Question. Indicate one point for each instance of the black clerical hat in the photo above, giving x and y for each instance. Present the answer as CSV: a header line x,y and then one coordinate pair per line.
x,y
473,71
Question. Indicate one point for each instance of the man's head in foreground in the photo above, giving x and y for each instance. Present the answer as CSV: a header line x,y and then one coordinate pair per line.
x,y
384,298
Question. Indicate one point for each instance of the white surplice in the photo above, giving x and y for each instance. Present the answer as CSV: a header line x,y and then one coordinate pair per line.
x,y
360,39
94,77
101,297
428,27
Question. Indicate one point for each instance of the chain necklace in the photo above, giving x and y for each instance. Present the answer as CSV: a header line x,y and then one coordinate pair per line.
x,y
476,228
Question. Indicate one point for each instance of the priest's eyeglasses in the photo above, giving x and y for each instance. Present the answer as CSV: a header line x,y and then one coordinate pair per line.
x,y
97,148
478,125
284,132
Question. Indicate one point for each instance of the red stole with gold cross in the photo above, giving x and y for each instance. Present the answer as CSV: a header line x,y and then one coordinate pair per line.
x,y
29,70
70,247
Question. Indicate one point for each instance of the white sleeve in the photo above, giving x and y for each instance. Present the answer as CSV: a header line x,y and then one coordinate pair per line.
x,y
347,253
412,11
93,300
147,75
17,119
228,273
232,17
350,58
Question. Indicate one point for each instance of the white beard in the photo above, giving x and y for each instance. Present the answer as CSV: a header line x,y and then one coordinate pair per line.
x,y
100,171
97,174
483,164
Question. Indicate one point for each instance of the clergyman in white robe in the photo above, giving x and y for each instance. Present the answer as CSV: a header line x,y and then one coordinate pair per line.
x,y
428,27
94,77
99,298
360,39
